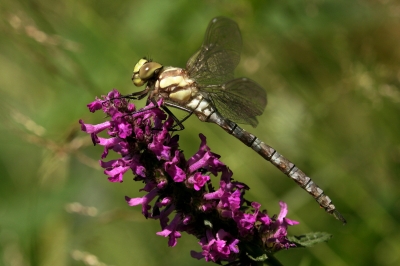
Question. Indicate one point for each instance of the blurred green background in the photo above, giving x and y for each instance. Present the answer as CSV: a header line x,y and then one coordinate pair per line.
x,y
332,73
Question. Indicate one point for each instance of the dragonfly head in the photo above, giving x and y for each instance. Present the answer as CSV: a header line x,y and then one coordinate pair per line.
x,y
144,70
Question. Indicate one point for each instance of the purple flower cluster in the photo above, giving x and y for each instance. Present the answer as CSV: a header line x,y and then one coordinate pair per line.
x,y
227,225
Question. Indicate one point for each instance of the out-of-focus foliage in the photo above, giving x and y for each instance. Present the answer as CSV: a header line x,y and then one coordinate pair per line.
x,y
332,73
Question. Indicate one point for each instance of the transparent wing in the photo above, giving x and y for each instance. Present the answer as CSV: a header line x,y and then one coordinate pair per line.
x,y
219,54
240,100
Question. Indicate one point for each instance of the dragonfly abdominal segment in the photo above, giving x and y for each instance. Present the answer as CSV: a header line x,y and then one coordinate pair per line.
x,y
207,89
283,164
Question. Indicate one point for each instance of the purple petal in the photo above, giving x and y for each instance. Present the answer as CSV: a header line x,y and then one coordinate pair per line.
x,y
116,174
89,128
95,105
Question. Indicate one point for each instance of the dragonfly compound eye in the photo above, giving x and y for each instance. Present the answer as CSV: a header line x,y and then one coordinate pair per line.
x,y
147,70
135,77
143,71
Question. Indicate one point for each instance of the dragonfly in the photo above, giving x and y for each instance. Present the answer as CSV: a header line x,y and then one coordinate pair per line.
x,y
207,88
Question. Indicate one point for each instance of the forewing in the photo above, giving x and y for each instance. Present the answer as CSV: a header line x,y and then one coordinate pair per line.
x,y
219,54
240,100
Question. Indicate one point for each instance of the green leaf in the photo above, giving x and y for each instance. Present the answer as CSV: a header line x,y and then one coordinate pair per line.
x,y
259,258
264,259
255,252
310,239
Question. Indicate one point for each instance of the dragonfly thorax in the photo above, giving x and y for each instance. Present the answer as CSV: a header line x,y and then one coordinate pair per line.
x,y
173,84
178,89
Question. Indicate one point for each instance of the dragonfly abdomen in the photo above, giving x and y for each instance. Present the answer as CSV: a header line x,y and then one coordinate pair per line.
x,y
283,164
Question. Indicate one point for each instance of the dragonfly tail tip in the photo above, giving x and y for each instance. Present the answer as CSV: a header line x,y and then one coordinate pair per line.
x,y
339,216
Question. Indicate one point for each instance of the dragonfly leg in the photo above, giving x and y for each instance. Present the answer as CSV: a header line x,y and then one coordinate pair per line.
x,y
141,94
177,121
180,122
134,95
137,95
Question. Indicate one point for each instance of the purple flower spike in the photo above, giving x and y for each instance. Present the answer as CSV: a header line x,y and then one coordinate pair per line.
x,y
221,218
